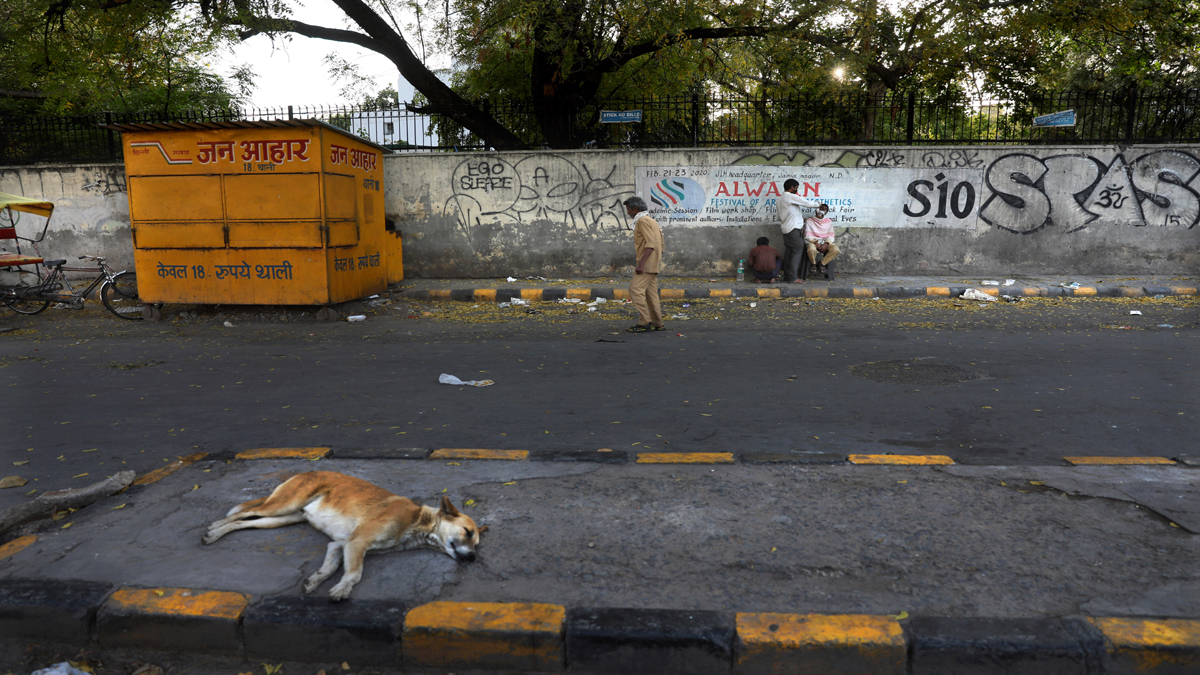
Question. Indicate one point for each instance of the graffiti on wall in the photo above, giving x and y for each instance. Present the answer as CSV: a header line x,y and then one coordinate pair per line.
x,y
105,183
1022,193
578,198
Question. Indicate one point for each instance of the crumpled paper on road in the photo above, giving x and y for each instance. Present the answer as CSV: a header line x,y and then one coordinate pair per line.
x,y
450,379
976,294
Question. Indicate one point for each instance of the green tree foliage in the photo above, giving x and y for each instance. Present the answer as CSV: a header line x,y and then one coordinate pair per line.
x,y
122,57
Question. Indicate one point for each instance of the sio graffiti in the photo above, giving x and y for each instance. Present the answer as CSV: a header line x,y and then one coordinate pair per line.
x,y
1023,193
490,190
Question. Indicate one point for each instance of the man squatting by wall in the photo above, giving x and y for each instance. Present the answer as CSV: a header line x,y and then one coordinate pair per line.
x,y
791,223
818,236
648,246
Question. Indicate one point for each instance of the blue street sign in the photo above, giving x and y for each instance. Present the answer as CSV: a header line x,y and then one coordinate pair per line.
x,y
620,116
1058,119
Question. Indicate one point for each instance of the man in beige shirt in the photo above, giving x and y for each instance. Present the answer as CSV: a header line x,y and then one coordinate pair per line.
x,y
648,247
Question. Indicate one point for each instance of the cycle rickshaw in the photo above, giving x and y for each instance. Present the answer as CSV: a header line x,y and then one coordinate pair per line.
x,y
29,283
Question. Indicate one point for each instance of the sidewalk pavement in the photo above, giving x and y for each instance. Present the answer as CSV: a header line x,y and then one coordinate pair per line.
x,y
842,286
613,561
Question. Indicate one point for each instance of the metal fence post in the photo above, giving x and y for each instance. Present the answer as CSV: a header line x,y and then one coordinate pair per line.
x,y
112,156
1130,112
695,119
290,112
912,104
487,128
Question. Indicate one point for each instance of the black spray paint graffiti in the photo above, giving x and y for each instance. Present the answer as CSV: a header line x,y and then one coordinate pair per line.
x,y
952,159
489,190
1075,191
106,183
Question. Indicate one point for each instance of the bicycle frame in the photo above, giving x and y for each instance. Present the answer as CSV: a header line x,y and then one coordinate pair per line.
x,y
58,275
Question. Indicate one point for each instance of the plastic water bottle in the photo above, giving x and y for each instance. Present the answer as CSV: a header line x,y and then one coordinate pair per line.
x,y
741,270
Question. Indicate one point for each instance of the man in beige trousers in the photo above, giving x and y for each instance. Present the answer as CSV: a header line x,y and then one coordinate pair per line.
x,y
648,246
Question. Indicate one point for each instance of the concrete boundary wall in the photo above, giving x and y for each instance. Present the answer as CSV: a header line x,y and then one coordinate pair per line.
x,y
995,211
1023,210
91,209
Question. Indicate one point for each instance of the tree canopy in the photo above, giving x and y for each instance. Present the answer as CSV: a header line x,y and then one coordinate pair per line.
x,y
117,56
565,58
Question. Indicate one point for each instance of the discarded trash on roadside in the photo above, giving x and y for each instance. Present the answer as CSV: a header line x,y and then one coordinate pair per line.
x,y
991,283
511,279
502,305
1073,284
591,309
1165,325
450,379
372,297
976,294
687,304
1009,282
536,278
64,668
597,301
682,317
681,335
570,300
1134,312
228,324
1160,296
518,301
1009,298
356,318
533,311
754,304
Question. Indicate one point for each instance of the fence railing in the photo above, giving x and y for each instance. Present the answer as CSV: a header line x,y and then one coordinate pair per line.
x,y
1126,117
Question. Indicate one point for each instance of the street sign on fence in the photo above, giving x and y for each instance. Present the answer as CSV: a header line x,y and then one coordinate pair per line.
x,y
620,116
1065,118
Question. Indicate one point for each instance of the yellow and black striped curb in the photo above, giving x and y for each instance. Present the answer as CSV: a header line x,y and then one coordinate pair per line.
x,y
535,637
787,291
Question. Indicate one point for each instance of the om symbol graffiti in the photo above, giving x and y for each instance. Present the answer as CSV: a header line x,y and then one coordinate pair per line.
x,y
1111,198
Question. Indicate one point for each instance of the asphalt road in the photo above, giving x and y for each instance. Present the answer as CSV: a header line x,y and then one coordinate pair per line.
x,y
83,394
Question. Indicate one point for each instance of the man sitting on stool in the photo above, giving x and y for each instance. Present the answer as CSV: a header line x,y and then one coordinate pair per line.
x,y
818,238
765,262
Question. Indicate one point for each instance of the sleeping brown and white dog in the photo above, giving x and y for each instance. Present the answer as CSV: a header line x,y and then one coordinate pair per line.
x,y
358,517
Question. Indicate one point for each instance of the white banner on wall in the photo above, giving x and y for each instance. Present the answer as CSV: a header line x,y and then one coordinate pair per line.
x,y
698,196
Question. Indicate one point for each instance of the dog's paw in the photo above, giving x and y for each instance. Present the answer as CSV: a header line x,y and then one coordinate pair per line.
x,y
209,538
310,585
339,592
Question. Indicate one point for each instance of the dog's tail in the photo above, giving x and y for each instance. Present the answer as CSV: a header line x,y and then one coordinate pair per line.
x,y
244,506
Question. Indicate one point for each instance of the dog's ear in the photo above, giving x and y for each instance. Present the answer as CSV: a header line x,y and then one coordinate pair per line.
x,y
448,508
483,529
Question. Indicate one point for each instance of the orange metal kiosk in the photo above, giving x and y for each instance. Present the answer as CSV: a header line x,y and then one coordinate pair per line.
x,y
285,212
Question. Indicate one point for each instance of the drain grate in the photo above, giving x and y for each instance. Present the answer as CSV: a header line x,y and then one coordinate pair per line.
x,y
914,371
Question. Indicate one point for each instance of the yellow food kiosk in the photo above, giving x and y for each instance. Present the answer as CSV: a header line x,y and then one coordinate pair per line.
x,y
283,212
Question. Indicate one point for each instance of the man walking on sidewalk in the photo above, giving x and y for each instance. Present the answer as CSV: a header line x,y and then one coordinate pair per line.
x,y
791,223
648,246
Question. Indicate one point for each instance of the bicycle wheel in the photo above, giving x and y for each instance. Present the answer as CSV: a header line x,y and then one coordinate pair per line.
x,y
25,306
120,297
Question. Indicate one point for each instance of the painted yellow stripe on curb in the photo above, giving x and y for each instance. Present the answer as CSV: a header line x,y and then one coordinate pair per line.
x,y
470,453
1085,290
847,643
672,294
1148,644
768,293
937,291
579,293
493,635
284,453
439,294
685,458
1183,290
531,294
720,293
905,460
1127,292
1031,290
816,292
159,474
17,545
864,292
1118,460
620,294
485,294
179,602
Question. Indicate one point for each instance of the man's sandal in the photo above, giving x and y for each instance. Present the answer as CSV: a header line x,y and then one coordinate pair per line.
x,y
658,328
639,329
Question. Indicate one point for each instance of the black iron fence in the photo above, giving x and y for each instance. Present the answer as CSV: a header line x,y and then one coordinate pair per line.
x,y
1125,117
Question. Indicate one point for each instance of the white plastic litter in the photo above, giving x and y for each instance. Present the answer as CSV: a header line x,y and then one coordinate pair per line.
x,y
512,278
682,317
1135,312
1165,325
1073,284
228,324
754,304
450,379
356,318
1009,282
63,668
591,309
518,301
570,300
976,294
991,283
